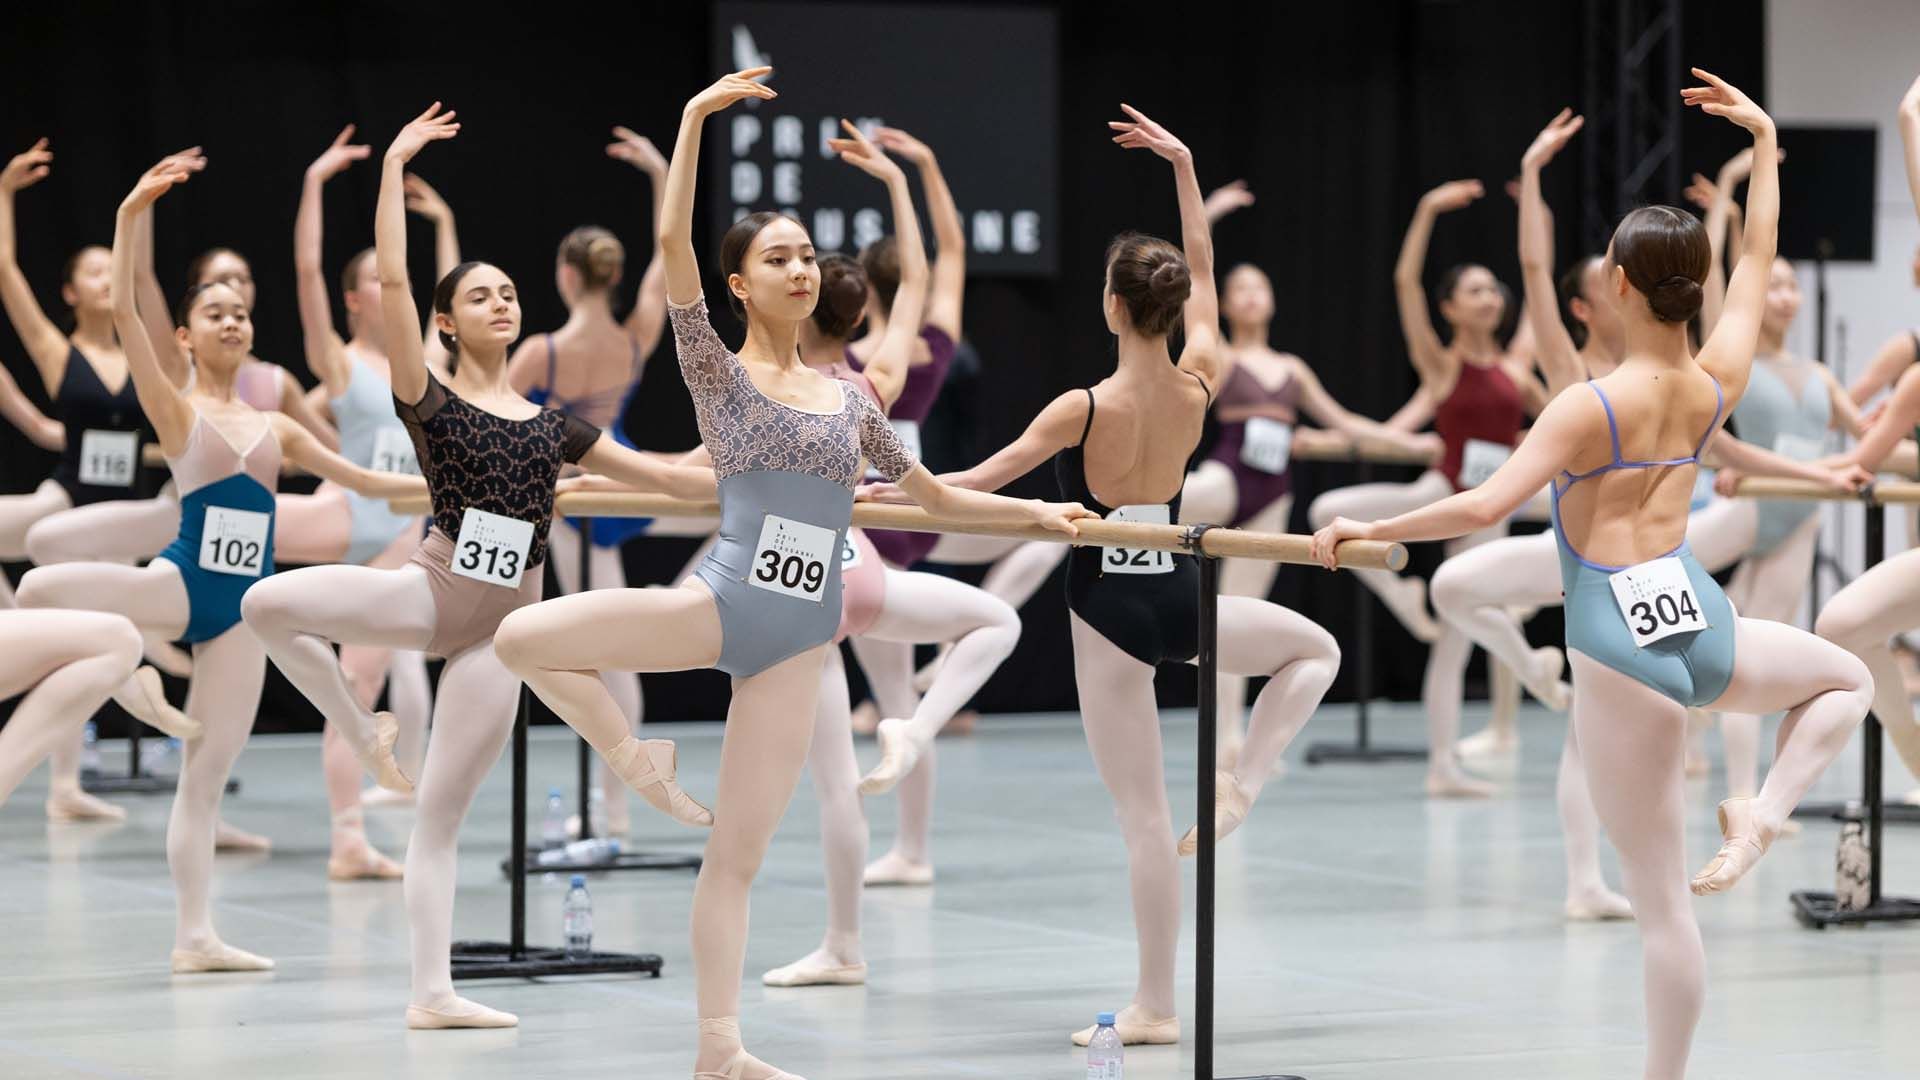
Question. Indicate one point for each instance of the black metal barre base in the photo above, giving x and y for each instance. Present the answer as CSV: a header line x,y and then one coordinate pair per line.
x,y
96,783
1265,1076
1365,753
626,860
1892,813
499,960
1819,910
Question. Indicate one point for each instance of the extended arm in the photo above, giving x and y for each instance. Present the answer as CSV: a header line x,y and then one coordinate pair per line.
x,y
1559,358
1057,427
46,433
1200,317
1416,323
887,369
423,200
326,354
164,404
1728,350
308,452
648,319
405,357
1897,354
45,344
675,226
647,472
948,285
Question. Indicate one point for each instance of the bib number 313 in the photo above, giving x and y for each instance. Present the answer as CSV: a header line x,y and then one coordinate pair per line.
x,y
792,558
234,541
1138,560
492,548
1657,600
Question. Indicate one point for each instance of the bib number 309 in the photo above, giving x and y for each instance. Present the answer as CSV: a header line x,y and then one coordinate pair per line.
x,y
1657,600
792,558
234,541
492,548
1138,560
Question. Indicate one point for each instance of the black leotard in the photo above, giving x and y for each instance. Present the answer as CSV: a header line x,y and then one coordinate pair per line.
x,y
1152,617
84,405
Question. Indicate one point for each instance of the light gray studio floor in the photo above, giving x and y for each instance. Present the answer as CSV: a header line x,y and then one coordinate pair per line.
x,y
1365,932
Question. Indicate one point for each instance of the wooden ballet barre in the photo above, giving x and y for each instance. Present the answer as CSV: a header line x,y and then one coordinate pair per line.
x,y
1368,452
1773,487
1216,542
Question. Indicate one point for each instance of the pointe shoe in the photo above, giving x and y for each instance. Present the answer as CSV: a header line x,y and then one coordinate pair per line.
x,y
151,707
1226,756
69,805
362,863
169,658
891,869
1458,785
377,797
221,957
812,970
1134,1031
865,718
648,767
379,760
1489,742
899,753
461,1013
1544,681
1230,805
1599,905
1746,841
727,1029
232,838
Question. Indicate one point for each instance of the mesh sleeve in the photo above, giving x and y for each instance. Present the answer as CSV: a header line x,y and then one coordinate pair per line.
x,y
576,438
880,445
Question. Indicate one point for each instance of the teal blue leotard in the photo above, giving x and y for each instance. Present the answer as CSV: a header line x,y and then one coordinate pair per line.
x,y
1768,412
1691,668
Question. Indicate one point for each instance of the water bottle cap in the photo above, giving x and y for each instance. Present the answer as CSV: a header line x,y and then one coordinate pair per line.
x,y
579,881
553,793
1104,1019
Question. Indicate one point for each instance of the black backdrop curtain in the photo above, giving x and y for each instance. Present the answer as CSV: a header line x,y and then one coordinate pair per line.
x,y
1338,115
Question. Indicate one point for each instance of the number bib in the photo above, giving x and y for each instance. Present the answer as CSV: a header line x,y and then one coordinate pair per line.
x,y
1480,460
393,452
1656,599
849,553
792,558
108,458
1799,447
1137,560
1266,444
234,541
492,548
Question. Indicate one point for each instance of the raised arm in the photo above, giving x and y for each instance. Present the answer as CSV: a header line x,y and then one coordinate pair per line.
x,y
1728,350
1416,322
155,314
887,369
1559,357
423,200
648,319
45,344
405,357
1200,319
326,354
1910,138
163,402
675,226
1227,198
948,288
1723,231
47,434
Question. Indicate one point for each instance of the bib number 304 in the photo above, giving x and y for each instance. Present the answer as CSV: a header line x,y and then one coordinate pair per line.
x,y
1138,560
1657,600
792,558
234,541
492,548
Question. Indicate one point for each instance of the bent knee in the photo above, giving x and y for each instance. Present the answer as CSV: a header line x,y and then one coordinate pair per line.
x,y
1843,627
47,542
515,640
38,589
119,638
267,606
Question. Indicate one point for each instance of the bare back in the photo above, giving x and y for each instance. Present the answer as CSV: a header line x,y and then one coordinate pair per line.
x,y
589,370
1145,429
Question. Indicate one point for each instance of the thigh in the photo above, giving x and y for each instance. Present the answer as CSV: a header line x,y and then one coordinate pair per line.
x,y
675,629
1259,637
122,530
1255,577
1878,604
314,528
926,609
1519,571
1120,714
354,605
36,643
962,550
769,724
224,692
473,714
153,596
18,513
1776,667
1371,502
1777,582
1209,494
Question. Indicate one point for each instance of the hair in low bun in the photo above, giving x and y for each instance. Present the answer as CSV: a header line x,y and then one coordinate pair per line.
x,y
1151,278
1665,254
1675,299
843,296
596,254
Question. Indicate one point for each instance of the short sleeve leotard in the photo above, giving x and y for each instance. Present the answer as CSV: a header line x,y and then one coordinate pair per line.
x,y
786,480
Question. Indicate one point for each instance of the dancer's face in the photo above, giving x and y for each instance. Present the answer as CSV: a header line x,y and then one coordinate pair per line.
x,y
778,277
1596,310
231,269
1783,297
1476,303
90,290
363,299
485,316
1248,297
219,329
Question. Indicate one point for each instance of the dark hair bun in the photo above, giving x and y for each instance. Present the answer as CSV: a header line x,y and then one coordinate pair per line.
x,y
1675,299
843,296
1170,283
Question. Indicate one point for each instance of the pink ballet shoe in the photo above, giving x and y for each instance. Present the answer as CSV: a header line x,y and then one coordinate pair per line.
x,y
1746,841
362,863
1136,1030
232,838
1458,785
169,658
1230,805
219,957
151,707
1598,905
1544,681
741,1065
816,969
379,760
460,1013
379,798
66,806
899,753
892,869
1489,742
648,767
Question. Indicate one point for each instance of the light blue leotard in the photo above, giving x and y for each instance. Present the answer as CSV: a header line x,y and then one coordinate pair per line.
x,y
1768,411
1691,668
361,414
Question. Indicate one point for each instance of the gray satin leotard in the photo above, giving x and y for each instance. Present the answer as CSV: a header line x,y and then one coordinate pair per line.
x,y
773,460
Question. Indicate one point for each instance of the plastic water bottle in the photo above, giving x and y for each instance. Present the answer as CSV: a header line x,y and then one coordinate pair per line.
x,y
597,810
576,918
1106,1057
90,749
579,853
553,831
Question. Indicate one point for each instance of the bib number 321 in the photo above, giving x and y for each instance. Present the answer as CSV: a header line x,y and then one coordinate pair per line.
x,y
1657,600
492,548
1138,560
792,558
234,541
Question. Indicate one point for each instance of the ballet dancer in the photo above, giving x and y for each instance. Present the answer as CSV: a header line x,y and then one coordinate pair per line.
x,y
1246,482
1648,633
490,458
1482,397
226,458
881,602
99,435
591,368
786,444
67,664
